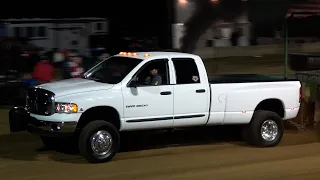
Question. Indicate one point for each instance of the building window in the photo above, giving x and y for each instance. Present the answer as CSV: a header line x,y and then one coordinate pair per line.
x,y
74,43
240,31
42,31
99,26
16,31
75,31
217,33
30,32
209,43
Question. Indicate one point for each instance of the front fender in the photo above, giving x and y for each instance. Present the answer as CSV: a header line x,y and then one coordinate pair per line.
x,y
112,97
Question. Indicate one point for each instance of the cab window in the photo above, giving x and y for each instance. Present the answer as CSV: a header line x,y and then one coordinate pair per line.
x,y
112,70
154,73
186,71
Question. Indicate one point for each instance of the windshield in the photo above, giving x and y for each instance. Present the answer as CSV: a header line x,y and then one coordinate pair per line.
x,y
112,70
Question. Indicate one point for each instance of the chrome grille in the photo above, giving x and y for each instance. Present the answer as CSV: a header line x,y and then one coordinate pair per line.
x,y
40,101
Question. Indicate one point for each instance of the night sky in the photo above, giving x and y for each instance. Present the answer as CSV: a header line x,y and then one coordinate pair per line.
x,y
110,9
146,17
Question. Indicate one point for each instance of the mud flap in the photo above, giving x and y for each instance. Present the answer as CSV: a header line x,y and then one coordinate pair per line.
x,y
18,119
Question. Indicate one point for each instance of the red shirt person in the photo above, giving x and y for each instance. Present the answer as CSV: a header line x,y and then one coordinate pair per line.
x,y
43,71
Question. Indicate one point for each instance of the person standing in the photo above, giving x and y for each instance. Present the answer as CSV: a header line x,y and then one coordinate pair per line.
x,y
57,58
43,71
66,65
75,64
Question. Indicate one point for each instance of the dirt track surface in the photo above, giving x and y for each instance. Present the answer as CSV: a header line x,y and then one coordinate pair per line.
x,y
165,156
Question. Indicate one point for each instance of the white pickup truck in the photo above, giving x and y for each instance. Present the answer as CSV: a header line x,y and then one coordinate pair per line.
x,y
114,96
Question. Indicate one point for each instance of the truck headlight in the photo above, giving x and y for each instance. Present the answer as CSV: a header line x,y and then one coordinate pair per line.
x,y
66,108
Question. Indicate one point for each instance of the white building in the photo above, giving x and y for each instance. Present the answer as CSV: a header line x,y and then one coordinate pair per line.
x,y
218,35
72,34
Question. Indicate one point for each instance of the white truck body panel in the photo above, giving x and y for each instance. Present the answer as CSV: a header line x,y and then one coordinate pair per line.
x,y
74,86
226,103
234,103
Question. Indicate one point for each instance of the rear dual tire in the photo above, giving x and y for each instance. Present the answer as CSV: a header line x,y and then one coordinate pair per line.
x,y
265,129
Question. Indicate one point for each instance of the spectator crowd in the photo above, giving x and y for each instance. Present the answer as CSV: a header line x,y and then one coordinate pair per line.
x,y
61,64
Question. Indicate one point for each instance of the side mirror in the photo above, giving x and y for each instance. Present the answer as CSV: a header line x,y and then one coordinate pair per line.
x,y
134,82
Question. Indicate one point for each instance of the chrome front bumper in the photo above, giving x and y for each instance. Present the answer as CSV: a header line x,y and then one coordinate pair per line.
x,y
20,120
52,128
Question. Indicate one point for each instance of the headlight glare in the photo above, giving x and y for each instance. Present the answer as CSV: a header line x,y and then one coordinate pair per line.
x,y
66,108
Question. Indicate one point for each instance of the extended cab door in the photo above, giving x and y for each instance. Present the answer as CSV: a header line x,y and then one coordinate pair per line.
x,y
149,106
191,93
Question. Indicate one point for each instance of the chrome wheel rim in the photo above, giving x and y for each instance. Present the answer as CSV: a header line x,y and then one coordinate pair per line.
x,y
101,142
269,130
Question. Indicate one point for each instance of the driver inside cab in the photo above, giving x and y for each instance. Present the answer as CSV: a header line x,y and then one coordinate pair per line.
x,y
154,79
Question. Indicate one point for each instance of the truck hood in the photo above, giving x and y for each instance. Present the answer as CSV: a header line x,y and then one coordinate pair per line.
x,y
74,86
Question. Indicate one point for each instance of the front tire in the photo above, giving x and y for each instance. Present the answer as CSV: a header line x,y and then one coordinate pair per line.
x,y
99,141
265,130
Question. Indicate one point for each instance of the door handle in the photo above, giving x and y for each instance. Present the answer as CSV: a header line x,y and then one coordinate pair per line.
x,y
200,90
165,93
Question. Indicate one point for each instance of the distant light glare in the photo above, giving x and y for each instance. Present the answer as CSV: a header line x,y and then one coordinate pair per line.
x,y
183,2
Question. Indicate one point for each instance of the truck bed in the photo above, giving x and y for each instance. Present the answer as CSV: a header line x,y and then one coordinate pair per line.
x,y
245,78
